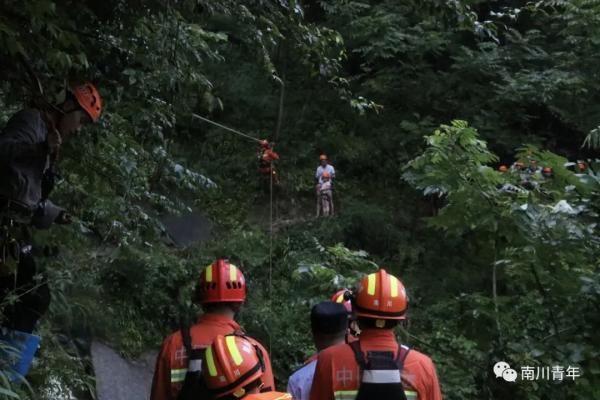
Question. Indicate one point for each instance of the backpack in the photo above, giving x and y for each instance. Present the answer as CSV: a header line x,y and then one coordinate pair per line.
x,y
381,372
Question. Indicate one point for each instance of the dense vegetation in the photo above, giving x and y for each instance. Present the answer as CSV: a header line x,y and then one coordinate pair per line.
x,y
492,274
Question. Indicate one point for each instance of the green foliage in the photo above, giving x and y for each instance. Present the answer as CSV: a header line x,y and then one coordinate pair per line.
x,y
362,81
538,244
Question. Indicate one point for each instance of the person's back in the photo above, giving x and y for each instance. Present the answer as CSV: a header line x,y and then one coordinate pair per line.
x,y
380,304
221,291
417,374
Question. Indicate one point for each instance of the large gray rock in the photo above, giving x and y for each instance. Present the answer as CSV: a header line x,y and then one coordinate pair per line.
x,y
120,379
187,229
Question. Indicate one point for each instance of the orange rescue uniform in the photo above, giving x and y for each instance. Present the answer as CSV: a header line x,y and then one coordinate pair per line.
x,y
172,361
337,374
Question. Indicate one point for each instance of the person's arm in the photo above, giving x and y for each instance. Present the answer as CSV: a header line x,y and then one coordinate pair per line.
x,y
23,137
322,386
161,382
434,391
294,389
49,213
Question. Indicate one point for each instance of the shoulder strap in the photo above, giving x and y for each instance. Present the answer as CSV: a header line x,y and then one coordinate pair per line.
x,y
402,354
187,339
358,354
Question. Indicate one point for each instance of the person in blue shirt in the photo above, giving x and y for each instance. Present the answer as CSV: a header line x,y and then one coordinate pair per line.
x,y
329,324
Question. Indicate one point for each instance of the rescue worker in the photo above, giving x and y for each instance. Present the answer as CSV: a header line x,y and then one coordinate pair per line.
x,y
376,366
324,195
221,291
344,297
234,369
266,158
329,325
29,149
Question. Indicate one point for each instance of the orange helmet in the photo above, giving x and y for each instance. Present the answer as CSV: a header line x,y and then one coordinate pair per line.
x,y
88,98
230,364
381,296
503,168
322,157
344,297
221,282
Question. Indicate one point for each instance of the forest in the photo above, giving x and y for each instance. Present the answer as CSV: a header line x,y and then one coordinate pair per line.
x,y
417,104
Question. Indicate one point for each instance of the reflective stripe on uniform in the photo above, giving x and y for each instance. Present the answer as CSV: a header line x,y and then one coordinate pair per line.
x,y
195,365
178,375
381,376
351,394
411,394
345,394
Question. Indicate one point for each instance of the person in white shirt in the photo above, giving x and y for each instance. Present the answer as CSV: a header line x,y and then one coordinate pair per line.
x,y
329,323
324,166
329,171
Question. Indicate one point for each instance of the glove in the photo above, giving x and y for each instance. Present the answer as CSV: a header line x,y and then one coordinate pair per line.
x,y
64,218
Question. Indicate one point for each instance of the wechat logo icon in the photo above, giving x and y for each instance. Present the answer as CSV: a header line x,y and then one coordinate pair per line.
x,y
503,370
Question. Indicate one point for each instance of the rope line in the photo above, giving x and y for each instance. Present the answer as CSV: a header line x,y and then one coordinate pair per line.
x,y
270,252
226,128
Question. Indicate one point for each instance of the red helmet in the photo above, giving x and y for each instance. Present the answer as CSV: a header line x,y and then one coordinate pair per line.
x,y
547,171
344,297
88,98
322,157
503,168
230,364
222,282
381,296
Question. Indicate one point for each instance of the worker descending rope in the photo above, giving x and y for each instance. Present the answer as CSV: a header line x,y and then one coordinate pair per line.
x,y
233,368
266,158
29,148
